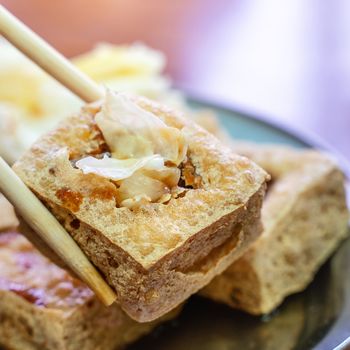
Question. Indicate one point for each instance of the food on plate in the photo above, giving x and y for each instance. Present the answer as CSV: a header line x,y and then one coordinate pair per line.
x,y
305,217
158,204
42,307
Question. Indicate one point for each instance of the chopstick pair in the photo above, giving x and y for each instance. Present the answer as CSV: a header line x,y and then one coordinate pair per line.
x,y
26,203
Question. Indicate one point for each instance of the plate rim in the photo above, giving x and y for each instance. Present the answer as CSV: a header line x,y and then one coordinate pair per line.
x,y
309,138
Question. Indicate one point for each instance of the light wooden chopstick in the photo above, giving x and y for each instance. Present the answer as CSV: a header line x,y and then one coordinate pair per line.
x,y
44,55
26,203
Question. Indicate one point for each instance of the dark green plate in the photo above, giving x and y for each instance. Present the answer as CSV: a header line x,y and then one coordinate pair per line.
x,y
318,318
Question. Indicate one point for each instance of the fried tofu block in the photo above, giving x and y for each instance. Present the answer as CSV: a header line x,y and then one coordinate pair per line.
x,y
42,307
305,217
157,255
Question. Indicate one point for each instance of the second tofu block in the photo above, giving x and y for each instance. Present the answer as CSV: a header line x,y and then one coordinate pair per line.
x,y
157,254
305,217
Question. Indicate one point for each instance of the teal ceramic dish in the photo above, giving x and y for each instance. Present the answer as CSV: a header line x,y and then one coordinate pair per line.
x,y
318,318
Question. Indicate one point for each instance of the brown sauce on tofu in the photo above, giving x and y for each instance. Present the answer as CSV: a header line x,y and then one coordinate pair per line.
x,y
103,193
71,200
189,177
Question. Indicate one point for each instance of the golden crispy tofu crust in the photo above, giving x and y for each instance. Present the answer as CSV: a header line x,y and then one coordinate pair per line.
x,y
158,255
43,307
304,216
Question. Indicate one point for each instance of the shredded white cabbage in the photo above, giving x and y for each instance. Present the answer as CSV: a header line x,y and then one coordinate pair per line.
x,y
141,144
132,132
118,169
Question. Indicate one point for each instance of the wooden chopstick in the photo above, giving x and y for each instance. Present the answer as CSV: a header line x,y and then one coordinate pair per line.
x,y
50,230
27,204
47,57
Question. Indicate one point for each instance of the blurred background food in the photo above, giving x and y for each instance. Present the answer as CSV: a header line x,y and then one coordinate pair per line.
x,y
31,102
288,60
